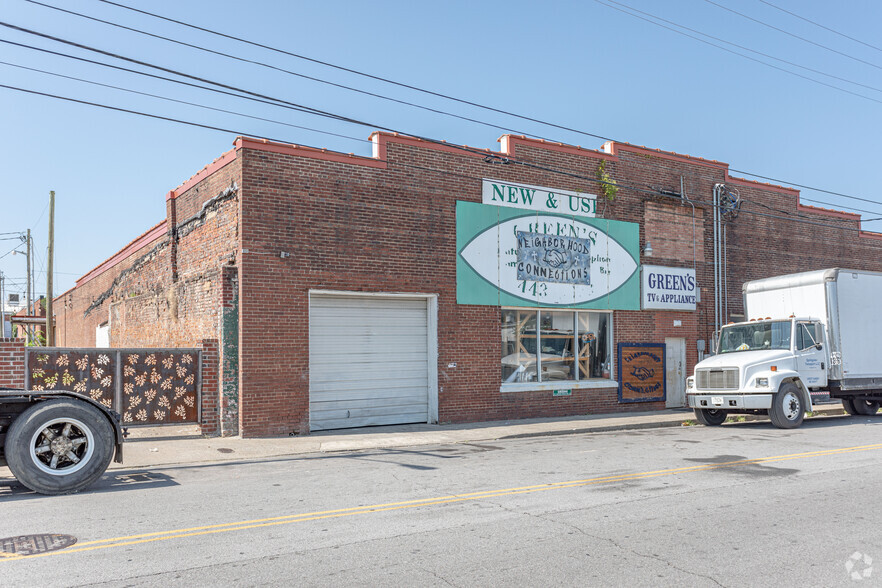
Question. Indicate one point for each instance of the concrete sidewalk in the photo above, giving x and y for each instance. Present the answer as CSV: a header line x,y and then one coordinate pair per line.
x,y
160,446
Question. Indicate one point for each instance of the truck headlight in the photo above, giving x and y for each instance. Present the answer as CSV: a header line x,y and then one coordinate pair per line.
x,y
690,383
762,382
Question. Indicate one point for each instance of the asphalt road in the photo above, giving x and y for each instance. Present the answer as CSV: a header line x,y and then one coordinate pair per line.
x,y
745,504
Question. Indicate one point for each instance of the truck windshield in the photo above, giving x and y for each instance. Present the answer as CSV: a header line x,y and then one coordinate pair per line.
x,y
755,336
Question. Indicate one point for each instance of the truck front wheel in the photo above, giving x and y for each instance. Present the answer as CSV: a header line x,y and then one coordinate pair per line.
x,y
710,418
59,446
788,408
865,407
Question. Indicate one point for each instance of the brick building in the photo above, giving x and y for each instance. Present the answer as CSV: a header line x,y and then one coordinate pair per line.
x,y
436,283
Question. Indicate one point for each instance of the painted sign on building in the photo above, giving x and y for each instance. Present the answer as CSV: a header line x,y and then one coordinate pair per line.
x,y
669,288
510,257
552,258
641,372
538,198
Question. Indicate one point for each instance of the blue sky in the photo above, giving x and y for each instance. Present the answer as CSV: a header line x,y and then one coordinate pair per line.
x,y
584,65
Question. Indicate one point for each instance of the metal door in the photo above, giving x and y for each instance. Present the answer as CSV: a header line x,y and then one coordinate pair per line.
x,y
369,361
675,376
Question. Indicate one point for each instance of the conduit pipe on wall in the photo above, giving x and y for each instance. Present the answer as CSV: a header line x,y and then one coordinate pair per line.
x,y
718,257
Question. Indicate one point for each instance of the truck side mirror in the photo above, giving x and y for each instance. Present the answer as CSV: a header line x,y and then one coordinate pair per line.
x,y
819,346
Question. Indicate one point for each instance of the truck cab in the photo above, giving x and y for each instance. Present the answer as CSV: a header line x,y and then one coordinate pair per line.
x,y
761,366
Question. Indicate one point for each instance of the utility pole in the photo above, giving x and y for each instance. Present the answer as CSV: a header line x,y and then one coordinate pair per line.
x,y
50,327
28,255
2,310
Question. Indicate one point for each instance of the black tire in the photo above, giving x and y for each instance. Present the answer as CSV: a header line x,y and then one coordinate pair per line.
x,y
865,407
76,455
848,406
788,407
710,417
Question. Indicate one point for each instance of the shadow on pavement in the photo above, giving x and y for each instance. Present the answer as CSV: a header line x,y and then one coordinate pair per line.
x,y
115,481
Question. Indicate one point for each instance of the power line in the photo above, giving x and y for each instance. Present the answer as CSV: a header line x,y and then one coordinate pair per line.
x,y
747,173
184,102
802,199
765,24
742,47
126,110
354,121
153,76
787,71
306,109
283,70
167,70
638,163
655,193
817,24
357,72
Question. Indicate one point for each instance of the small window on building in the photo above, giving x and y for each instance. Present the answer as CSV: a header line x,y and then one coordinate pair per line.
x,y
555,345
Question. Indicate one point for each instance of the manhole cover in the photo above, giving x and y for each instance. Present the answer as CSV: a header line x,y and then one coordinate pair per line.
x,y
34,544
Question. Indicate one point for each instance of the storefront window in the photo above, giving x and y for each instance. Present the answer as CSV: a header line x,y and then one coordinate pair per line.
x,y
549,346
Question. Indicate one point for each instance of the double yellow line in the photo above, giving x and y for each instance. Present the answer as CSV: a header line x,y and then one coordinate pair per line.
x,y
345,512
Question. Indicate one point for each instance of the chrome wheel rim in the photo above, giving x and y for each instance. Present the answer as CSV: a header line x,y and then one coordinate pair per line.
x,y
62,446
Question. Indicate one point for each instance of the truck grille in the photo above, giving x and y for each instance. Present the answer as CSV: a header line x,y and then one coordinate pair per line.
x,y
717,379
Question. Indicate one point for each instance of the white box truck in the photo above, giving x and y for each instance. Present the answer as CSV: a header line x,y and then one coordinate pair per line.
x,y
807,332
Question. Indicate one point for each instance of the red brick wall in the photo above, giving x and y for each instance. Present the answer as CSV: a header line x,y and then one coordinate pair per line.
x,y
210,419
12,363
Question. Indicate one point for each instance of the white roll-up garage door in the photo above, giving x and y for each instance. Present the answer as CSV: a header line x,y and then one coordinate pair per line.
x,y
369,361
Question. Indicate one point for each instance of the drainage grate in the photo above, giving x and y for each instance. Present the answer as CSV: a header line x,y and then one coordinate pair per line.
x,y
34,544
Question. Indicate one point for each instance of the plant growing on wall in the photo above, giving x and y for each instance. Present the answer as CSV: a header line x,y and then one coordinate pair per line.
x,y
35,339
608,185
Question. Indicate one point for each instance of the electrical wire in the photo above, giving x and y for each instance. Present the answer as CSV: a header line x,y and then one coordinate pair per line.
x,y
832,193
742,47
787,71
357,72
126,110
167,70
269,120
817,24
283,70
308,109
506,160
789,34
413,87
153,76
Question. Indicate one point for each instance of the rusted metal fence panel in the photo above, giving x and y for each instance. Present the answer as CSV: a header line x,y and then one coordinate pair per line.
x,y
146,386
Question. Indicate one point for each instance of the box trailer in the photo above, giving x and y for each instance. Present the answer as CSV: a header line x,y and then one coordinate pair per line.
x,y
806,332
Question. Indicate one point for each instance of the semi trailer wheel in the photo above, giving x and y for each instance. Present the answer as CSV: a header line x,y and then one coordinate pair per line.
x,y
59,446
865,407
848,406
788,409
